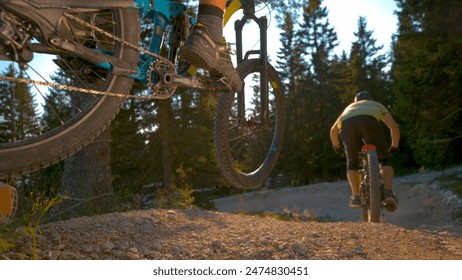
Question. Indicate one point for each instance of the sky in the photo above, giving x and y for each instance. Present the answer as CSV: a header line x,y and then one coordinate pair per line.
x,y
343,16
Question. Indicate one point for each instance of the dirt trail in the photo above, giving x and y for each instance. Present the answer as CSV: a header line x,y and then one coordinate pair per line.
x,y
423,229
203,235
423,202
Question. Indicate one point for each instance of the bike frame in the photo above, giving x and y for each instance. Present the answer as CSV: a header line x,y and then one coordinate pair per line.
x,y
47,14
102,60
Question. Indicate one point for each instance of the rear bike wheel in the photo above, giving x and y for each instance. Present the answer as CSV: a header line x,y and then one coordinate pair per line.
x,y
60,122
365,201
248,136
375,193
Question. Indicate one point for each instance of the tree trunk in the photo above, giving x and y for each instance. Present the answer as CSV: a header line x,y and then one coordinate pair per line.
x,y
165,127
87,177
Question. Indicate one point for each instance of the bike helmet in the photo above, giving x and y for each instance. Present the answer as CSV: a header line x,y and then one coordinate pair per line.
x,y
363,95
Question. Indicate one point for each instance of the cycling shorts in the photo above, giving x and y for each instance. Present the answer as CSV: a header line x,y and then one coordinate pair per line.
x,y
358,130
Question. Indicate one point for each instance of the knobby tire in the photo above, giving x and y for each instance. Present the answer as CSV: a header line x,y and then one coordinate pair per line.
x,y
246,149
374,186
36,152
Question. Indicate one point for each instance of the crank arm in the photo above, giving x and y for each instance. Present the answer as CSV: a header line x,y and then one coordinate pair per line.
x,y
170,79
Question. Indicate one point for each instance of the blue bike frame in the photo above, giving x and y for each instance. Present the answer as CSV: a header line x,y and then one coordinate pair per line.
x,y
162,13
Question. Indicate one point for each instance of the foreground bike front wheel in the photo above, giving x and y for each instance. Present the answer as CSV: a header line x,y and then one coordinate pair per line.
x,y
249,127
61,122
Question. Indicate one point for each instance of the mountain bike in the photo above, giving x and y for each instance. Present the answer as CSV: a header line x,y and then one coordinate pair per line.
x,y
99,53
371,188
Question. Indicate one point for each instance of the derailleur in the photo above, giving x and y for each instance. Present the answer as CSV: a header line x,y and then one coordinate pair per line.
x,y
15,39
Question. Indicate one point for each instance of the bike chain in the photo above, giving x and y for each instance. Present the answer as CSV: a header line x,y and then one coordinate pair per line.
x,y
158,94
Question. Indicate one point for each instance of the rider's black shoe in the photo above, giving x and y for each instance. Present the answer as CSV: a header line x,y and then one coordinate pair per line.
x,y
203,52
355,202
390,201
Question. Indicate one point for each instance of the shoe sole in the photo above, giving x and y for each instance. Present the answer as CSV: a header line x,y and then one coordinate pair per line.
x,y
390,205
195,59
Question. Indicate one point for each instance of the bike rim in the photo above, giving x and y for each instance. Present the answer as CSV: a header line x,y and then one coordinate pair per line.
x,y
38,112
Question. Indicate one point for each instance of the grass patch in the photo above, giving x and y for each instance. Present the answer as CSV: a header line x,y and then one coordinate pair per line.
x,y
289,216
452,182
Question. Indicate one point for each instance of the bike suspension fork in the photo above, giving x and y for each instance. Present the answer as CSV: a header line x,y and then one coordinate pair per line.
x,y
262,22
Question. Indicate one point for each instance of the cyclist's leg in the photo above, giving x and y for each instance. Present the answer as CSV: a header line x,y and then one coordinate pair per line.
x,y
375,134
387,173
354,181
390,199
351,143
206,47
210,15
218,3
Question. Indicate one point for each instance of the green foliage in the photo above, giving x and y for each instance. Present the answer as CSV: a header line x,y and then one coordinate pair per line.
x,y
288,215
177,196
367,64
128,160
59,105
320,84
8,236
28,221
452,182
426,74
17,114
5,245
40,209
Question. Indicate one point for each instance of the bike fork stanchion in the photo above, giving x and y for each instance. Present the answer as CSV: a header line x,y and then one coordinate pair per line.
x,y
262,22
238,27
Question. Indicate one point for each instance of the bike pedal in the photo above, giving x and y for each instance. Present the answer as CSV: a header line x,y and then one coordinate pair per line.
x,y
8,203
227,82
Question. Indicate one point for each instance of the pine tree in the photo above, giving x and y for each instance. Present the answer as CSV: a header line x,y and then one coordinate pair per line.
x,y
18,118
313,100
130,168
289,61
87,179
318,39
367,64
426,71
57,107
